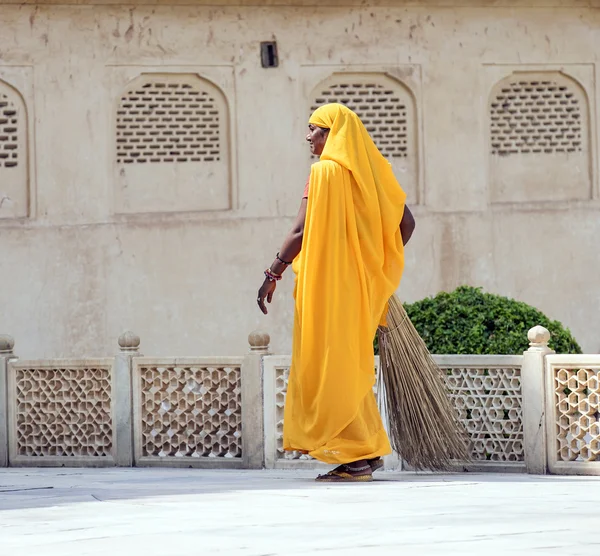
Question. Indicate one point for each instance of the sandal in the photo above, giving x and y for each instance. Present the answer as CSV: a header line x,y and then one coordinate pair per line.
x,y
375,463
348,473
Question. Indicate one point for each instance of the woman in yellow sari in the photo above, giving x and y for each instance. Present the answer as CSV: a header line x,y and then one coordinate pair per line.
x,y
347,249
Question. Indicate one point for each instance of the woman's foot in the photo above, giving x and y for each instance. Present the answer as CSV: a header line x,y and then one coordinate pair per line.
x,y
355,472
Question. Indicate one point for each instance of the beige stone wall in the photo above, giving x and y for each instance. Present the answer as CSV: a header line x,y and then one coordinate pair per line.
x,y
91,245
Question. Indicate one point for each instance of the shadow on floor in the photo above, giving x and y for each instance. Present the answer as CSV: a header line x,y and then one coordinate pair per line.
x,y
41,488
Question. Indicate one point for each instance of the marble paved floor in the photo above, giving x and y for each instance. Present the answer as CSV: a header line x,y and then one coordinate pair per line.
x,y
113,512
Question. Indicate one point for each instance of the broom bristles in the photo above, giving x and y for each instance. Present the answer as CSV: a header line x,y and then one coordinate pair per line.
x,y
422,423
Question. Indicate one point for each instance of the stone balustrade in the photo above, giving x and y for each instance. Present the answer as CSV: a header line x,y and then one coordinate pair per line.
x,y
537,412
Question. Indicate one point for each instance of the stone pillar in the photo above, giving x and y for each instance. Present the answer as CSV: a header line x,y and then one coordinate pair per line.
x,y
129,344
253,443
6,354
533,387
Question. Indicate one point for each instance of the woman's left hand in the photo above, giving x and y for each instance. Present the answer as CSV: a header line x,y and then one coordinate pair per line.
x,y
266,292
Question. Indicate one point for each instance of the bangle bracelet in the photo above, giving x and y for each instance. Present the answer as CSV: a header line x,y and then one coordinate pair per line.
x,y
271,276
282,261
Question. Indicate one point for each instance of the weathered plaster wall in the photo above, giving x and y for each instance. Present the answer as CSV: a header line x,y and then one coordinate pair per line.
x,y
81,267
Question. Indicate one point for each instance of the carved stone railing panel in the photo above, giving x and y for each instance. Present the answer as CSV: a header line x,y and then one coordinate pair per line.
x,y
485,390
60,410
187,409
573,413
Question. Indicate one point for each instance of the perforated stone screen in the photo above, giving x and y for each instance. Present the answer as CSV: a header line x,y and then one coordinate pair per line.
x,y
577,413
488,403
540,137
281,381
168,121
191,411
535,116
9,128
381,109
63,411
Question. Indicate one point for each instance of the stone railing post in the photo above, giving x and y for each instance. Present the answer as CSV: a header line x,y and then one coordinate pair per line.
x,y
129,344
6,354
253,443
533,400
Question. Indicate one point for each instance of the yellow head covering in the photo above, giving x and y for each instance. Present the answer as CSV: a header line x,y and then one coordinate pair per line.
x,y
350,145
350,264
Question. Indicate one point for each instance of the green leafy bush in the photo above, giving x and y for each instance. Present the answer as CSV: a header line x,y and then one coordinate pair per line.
x,y
471,321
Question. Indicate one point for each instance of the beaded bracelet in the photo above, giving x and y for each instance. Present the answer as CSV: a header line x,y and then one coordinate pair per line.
x,y
271,276
282,261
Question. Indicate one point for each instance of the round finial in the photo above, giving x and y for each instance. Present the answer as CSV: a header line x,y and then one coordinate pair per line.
x,y
128,341
7,343
259,341
538,336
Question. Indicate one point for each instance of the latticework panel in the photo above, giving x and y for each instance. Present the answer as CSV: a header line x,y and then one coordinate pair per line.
x,y
63,411
535,116
9,126
577,414
488,402
382,109
191,411
165,120
281,381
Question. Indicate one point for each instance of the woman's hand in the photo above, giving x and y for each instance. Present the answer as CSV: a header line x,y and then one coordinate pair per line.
x,y
266,292
288,252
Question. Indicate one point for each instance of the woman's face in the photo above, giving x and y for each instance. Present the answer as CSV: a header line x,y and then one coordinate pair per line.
x,y
317,137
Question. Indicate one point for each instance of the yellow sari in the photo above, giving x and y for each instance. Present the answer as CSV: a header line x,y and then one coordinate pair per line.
x,y
351,263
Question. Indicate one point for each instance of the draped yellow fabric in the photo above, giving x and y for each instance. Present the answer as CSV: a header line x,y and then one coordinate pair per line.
x,y
350,264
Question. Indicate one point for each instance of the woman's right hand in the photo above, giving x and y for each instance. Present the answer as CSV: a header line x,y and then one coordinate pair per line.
x,y
266,291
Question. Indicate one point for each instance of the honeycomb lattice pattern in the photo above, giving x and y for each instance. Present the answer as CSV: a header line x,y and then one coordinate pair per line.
x,y
380,108
529,116
488,402
191,412
9,125
168,122
577,398
281,381
64,412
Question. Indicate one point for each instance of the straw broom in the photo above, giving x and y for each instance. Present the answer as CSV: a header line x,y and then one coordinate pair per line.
x,y
422,423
